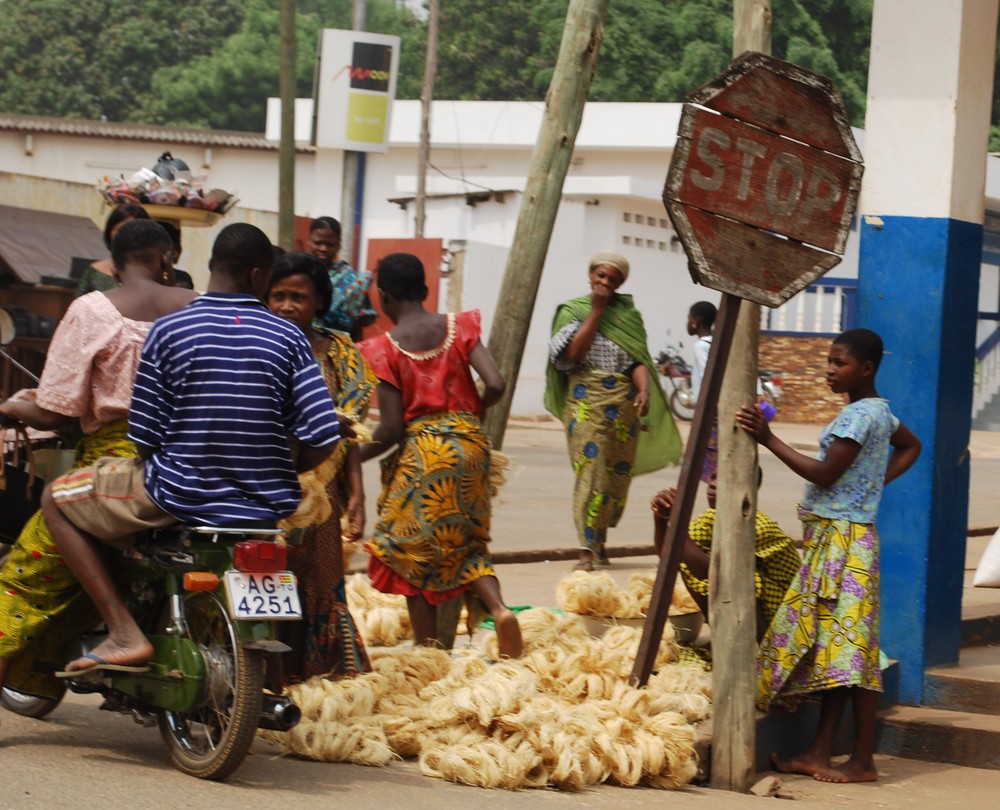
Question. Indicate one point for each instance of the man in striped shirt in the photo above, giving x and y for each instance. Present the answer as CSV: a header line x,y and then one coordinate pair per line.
x,y
222,387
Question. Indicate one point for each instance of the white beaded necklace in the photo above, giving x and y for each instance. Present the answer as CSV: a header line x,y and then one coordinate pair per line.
x,y
430,354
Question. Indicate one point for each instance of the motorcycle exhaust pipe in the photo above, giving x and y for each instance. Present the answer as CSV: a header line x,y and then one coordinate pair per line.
x,y
279,714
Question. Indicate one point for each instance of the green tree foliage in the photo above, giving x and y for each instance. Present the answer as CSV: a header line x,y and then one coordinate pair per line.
x,y
96,58
653,50
213,63
228,88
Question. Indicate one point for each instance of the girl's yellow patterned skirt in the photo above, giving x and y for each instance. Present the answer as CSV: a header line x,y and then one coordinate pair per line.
x,y
825,634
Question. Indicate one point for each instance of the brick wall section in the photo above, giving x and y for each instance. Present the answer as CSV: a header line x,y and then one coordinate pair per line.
x,y
801,361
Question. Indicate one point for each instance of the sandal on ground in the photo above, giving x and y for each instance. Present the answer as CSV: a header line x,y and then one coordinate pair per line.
x,y
584,565
602,560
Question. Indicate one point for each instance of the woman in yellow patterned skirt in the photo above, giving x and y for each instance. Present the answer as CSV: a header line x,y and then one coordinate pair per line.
x,y
430,541
602,383
326,642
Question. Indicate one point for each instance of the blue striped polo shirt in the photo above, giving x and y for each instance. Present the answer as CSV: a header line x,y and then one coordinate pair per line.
x,y
221,385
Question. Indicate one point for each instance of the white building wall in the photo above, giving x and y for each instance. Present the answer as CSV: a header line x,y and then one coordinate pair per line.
x,y
611,199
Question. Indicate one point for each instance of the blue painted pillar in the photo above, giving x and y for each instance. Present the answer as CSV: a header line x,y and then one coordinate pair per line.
x,y
926,130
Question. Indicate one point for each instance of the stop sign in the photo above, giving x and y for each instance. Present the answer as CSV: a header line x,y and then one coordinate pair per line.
x,y
764,179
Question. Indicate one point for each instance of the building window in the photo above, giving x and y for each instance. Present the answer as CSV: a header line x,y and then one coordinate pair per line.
x,y
662,245
627,216
640,219
664,223
626,240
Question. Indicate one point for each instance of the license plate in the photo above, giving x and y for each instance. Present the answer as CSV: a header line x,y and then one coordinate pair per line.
x,y
263,596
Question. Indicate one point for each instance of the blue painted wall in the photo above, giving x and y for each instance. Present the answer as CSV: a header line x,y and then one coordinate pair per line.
x,y
918,288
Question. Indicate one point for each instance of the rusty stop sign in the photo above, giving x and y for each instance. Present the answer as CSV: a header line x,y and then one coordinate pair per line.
x,y
764,179
762,190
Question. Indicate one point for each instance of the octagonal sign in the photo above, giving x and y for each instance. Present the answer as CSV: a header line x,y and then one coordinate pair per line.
x,y
764,179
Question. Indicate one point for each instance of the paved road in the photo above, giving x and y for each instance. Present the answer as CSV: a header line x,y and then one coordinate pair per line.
x,y
82,757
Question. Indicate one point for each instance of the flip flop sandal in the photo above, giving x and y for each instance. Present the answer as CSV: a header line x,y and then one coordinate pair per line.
x,y
584,565
100,665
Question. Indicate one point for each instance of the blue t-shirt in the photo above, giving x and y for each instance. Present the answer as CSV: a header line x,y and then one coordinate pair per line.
x,y
221,385
855,496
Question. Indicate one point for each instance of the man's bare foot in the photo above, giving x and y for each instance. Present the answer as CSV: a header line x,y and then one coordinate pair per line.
x,y
110,653
804,764
848,772
508,634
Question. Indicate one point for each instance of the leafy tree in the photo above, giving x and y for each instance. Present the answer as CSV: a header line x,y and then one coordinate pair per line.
x,y
228,88
95,58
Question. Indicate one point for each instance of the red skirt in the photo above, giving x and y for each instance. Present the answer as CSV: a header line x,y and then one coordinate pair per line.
x,y
385,580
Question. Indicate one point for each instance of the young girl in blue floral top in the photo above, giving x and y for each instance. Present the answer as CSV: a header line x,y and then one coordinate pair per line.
x,y
825,635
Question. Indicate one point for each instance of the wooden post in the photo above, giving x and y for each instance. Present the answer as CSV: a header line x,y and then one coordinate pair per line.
x,y
286,148
672,548
426,99
352,169
732,608
563,112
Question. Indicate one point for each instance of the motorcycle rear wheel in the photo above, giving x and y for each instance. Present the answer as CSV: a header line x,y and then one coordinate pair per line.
x,y
211,741
27,705
678,404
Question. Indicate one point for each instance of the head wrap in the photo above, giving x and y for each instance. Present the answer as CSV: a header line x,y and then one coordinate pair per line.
x,y
609,257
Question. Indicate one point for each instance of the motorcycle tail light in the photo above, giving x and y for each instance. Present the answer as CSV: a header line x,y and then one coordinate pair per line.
x,y
260,556
200,581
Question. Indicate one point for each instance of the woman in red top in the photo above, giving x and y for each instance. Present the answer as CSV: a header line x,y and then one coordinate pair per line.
x,y
434,511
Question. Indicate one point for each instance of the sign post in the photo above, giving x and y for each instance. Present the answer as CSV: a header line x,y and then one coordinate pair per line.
x,y
761,189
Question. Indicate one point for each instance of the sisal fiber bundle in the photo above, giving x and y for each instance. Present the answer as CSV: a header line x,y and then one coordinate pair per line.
x,y
562,716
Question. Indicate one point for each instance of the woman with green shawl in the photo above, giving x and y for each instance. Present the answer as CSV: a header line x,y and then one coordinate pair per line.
x,y
602,384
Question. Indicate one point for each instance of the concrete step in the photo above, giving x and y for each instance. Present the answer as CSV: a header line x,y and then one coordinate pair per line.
x,y
971,686
936,735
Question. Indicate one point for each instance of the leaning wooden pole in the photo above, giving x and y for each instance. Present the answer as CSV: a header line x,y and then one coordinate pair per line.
x,y
732,610
563,112
286,147
426,100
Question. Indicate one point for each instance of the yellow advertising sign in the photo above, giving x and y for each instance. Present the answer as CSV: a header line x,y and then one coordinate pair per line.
x,y
356,81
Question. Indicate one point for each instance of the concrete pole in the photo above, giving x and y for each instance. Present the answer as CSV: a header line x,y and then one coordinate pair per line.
x,y
929,97
732,611
426,99
286,148
563,112
352,170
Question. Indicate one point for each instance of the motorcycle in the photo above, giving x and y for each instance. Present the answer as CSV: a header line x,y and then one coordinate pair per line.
x,y
676,369
681,396
207,599
769,387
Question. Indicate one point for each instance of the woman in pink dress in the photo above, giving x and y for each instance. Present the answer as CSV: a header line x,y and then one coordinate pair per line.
x,y
89,371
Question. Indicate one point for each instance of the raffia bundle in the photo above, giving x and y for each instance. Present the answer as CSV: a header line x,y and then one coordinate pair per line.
x,y
382,618
561,716
597,594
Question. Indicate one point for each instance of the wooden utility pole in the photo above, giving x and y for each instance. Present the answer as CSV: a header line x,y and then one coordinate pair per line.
x,y
352,168
732,608
564,105
426,99
286,148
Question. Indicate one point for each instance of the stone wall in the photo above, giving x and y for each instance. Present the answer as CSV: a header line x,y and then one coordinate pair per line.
x,y
801,362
